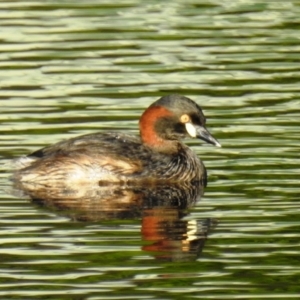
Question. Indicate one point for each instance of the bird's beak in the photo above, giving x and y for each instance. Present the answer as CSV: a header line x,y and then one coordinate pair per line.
x,y
202,133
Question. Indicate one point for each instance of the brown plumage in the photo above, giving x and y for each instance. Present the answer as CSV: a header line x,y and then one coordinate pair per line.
x,y
157,156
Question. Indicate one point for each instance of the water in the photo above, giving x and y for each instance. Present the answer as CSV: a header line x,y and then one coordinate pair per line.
x,y
69,68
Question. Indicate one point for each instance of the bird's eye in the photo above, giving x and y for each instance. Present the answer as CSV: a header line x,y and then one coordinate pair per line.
x,y
185,118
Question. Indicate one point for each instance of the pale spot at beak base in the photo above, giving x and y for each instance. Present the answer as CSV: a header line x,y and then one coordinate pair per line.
x,y
190,128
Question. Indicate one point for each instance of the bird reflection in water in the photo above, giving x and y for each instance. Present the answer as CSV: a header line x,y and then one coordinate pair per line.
x,y
167,232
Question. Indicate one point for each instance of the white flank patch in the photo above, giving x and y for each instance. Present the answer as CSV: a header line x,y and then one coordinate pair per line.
x,y
190,128
23,162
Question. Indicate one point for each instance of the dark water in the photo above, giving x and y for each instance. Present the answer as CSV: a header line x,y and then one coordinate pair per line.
x,y
73,67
